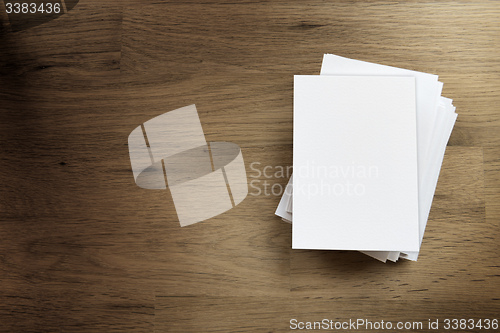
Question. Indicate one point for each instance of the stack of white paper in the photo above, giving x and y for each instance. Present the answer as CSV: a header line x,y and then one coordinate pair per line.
x,y
369,141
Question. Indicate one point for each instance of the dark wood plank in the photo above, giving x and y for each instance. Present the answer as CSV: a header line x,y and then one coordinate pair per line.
x,y
84,249
271,314
276,38
492,183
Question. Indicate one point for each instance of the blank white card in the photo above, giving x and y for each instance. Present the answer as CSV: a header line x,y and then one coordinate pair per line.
x,y
355,163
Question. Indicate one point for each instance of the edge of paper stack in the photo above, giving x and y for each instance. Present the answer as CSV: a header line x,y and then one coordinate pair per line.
x,y
435,121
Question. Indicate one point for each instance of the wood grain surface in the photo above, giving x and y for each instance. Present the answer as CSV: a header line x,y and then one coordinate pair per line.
x,y
83,249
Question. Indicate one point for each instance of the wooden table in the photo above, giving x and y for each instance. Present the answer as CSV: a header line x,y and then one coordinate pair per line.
x,y
84,249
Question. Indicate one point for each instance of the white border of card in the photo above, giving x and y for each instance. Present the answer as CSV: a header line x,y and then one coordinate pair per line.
x,y
435,120
355,163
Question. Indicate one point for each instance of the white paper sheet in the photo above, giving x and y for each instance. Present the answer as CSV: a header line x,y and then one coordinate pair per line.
x,y
433,128
428,91
430,178
281,211
345,127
